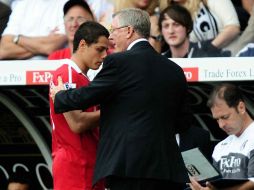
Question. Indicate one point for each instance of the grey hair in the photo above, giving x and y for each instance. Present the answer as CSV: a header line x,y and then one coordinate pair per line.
x,y
137,18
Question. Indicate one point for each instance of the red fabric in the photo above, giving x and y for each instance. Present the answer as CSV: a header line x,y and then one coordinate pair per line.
x,y
60,54
73,154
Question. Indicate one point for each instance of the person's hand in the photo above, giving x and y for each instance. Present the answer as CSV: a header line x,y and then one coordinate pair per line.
x,y
194,185
56,88
210,186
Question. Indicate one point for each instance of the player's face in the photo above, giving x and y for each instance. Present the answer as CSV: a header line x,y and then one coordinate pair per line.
x,y
230,119
73,19
96,52
174,33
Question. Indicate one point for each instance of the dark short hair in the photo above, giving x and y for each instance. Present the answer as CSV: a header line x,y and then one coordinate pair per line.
x,y
82,3
228,92
89,31
179,14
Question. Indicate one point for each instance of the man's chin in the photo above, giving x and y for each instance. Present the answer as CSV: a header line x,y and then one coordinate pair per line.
x,y
96,67
175,44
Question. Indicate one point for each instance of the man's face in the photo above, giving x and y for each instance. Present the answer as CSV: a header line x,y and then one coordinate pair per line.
x,y
118,36
94,54
230,119
174,33
75,16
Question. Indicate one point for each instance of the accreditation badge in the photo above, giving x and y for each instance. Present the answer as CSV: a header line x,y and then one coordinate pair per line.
x,y
68,86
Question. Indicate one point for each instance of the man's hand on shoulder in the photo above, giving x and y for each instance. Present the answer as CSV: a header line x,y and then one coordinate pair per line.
x,y
56,88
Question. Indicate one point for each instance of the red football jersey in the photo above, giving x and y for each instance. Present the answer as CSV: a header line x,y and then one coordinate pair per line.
x,y
73,154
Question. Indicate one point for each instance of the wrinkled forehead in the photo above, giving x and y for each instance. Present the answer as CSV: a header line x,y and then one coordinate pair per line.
x,y
218,102
220,108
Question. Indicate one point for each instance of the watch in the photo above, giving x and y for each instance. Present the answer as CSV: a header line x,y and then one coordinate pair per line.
x,y
157,38
16,39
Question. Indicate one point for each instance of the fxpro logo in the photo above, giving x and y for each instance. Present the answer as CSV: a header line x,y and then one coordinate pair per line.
x,y
38,77
230,164
191,74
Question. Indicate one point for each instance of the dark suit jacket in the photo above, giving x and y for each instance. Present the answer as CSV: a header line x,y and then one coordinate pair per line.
x,y
141,95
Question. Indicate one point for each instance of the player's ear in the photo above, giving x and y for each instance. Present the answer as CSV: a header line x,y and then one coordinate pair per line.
x,y
241,107
82,44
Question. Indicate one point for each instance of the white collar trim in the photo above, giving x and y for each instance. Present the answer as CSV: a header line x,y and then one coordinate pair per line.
x,y
136,41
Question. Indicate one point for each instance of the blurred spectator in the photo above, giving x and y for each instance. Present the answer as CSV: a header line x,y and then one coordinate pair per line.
x,y
247,51
214,20
176,24
103,10
149,6
246,37
35,29
76,12
5,12
155,38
